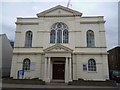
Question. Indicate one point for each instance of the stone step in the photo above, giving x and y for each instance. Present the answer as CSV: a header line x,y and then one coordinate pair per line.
x,y
57,82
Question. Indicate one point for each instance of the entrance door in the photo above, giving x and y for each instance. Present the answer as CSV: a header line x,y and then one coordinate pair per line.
x,y
58,71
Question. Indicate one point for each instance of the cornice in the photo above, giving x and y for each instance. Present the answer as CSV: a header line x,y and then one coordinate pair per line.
x,y
28,47
49,31
92,16
58,52
90,53
44,31
102,31
91,47
27,18
74,31
27,23
91,22
60,16
73,53
30,53
17,31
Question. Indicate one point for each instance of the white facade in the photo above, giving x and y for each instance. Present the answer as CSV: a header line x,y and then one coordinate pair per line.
x,y
47,59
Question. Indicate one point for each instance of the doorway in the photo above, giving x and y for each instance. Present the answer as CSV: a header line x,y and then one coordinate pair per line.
x,y
58,70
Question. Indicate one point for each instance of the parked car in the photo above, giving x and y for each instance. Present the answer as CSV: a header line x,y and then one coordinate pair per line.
x,y
115,76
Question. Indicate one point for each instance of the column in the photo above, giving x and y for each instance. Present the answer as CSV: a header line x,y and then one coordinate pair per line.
x,y
70,68
48,69
45,69
66,70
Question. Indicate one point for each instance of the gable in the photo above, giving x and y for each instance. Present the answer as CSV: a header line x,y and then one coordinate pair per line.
x,y
59,11
58,48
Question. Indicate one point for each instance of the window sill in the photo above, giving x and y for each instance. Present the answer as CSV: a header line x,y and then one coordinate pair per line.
x,y
92,71
58,43
26,70
84,70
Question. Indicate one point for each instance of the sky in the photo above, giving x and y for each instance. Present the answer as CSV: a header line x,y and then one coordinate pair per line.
x,y
11,9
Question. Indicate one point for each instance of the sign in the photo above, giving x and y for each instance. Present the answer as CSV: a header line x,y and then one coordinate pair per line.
x,y
32,67
84,67
20,74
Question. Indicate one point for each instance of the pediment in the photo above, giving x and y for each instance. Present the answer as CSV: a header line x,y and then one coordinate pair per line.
x,y
59,11
58,48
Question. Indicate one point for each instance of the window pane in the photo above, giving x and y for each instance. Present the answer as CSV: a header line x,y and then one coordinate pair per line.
x,y
84,67
26,64
65,36
52,36
28,39
90,38
61,33
59,25
59,36
91,65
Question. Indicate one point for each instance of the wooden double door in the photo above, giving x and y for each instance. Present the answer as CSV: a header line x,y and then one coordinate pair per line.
x,y
59,70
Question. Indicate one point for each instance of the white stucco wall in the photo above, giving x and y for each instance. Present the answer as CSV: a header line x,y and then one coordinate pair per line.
x,y
78,26
18,64
77,32
99,74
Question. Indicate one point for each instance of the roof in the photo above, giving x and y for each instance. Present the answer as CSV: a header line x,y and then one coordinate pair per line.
x,y
74,12
2,34
114,48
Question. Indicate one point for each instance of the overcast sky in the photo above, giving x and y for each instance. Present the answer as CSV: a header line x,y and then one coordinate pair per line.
x,y
23,8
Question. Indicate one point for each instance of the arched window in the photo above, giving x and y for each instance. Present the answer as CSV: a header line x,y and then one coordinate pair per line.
x,y
90,38
59,36
28,39
91,65
59,33
65,36
26,64
52,36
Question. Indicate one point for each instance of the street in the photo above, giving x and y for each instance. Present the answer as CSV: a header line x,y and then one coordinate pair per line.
x,y
56,87
66,89
119,86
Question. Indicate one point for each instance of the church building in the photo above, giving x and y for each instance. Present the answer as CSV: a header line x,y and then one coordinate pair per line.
x,y
60,44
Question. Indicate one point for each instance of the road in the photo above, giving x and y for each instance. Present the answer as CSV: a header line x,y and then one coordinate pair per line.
x,y
66,89
55,87
119,86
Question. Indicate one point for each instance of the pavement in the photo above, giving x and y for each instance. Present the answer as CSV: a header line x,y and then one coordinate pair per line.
x,y
118,84
55,87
